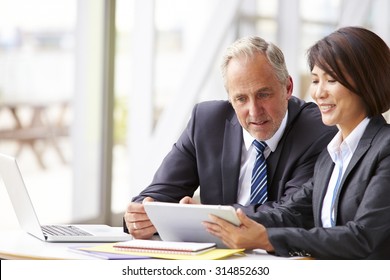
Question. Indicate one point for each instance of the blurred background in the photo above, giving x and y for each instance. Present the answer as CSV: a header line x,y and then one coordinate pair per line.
x,y
93,93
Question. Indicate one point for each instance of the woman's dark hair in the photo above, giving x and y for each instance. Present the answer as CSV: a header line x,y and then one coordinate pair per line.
x,y
359,60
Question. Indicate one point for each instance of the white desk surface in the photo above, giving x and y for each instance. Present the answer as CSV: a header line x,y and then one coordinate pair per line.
x,y
16,244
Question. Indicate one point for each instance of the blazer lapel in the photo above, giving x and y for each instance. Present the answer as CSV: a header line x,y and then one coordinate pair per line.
x,y
324,167
360,151
294,108
272,164
364,145
231,160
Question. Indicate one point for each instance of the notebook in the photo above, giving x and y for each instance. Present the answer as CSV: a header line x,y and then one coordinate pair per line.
x,y
183,222
28,220
89,251
164,247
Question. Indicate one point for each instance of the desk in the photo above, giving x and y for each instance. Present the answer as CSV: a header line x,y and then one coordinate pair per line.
x,y
41,126
16,244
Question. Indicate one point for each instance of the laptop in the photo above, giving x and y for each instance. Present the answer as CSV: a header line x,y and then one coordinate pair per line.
x,y
28,220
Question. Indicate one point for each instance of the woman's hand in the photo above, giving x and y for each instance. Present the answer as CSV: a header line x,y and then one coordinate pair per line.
x,y
249,235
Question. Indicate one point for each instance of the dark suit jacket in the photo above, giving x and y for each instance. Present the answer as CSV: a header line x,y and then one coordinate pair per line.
x,y
208,154
363,206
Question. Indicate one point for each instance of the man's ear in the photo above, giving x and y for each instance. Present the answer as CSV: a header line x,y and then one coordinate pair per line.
x,y
289,87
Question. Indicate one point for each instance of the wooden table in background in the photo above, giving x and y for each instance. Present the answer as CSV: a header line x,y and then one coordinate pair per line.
x,y
41,127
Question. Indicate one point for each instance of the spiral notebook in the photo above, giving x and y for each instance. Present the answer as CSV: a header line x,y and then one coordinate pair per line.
x,y
165,247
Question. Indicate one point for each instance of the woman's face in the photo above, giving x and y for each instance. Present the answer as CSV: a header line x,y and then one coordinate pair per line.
x,y
338,105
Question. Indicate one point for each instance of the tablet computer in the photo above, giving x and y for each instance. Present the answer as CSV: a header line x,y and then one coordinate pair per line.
x,y
183,222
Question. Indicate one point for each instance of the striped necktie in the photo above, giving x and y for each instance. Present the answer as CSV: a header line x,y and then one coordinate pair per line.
x,y
259,175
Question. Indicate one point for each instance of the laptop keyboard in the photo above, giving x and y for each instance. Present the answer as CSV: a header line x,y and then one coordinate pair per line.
x,y
58,230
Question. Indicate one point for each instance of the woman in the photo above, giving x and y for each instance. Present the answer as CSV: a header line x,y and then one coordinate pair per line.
x,y
344,210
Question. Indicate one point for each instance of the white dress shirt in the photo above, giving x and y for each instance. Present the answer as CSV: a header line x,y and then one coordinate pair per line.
x,y
248,158
341,153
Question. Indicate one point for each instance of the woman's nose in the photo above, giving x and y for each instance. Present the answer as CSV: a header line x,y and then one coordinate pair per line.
x,y
318,91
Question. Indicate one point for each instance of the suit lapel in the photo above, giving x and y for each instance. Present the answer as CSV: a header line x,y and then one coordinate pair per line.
x,y
295,106
360,151
364,145
272,164
231,160
324,167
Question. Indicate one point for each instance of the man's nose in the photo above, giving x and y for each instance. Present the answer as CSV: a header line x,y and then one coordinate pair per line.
x,y
255,108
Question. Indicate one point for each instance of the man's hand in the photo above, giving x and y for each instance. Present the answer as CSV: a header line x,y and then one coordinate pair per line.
x,y
137,221
188,200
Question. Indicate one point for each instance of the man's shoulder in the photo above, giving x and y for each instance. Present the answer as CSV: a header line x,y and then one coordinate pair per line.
x,y
214,108
300,110
306,116
214,104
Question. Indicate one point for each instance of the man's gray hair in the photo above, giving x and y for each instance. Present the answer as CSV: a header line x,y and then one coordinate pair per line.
x,y
250,46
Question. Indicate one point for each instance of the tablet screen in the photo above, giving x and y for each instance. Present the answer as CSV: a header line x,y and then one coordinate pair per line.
x,y
183,222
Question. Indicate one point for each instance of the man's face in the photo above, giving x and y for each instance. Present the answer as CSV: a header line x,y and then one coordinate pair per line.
x,y
258,97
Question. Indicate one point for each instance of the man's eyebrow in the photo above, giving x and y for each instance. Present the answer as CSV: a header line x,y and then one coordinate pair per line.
x,y
237,94
263,89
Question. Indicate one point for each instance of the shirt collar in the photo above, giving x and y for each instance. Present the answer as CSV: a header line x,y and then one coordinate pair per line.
x,y
272,143
349,145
